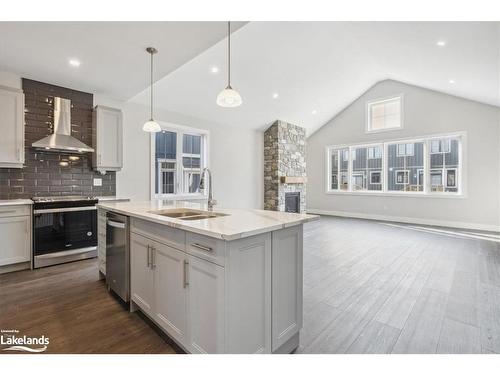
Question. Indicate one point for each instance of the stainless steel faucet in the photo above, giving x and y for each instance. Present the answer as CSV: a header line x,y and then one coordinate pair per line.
x,y
211,202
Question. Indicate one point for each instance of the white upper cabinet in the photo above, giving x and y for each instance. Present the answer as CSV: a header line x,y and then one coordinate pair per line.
x,y
11,128
107,139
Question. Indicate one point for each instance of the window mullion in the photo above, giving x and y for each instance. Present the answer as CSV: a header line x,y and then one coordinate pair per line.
x,y
349,169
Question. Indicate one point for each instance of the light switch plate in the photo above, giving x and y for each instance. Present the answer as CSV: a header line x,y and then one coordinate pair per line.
x,y
97,181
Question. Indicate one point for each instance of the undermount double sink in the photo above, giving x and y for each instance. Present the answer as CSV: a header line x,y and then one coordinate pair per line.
x,y
187,214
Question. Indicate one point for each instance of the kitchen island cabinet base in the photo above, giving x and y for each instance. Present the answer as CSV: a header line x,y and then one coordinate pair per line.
x,y
242,296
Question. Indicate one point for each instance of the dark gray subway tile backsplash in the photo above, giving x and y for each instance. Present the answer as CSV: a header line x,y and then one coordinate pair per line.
x,y
43,174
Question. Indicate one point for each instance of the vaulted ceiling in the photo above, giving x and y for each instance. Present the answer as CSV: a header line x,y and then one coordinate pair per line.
x,y
301,72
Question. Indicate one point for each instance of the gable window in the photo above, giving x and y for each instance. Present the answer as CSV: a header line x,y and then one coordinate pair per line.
x,y
179,156
428,165
384,114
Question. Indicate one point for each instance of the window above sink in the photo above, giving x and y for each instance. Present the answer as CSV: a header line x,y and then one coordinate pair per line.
x,y
178,156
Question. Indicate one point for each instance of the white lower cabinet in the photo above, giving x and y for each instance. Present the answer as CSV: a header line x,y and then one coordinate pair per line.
x,y
205,306
15,235
141,273
170,291
252,303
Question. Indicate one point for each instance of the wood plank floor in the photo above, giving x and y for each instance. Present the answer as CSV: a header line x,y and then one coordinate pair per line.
x,y
372,287
69,305
369,287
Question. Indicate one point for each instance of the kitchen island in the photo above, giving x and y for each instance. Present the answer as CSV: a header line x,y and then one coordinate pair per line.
x,y
221,281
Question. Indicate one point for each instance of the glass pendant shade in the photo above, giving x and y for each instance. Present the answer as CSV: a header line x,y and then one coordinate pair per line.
x,y
151,126
229,98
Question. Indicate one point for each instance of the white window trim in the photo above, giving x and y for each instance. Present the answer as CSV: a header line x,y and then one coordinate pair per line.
x,y
381,100
205,159
427,193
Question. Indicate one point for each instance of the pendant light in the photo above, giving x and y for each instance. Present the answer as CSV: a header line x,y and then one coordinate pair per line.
x,y
151,126
229,97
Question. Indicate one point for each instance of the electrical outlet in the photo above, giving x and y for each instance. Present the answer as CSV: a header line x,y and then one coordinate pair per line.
x,y
97,181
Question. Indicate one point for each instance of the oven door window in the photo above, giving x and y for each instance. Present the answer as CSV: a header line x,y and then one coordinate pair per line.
x,y
59,231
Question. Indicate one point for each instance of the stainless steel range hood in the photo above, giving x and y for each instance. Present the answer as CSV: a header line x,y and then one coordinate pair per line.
x,y
61,140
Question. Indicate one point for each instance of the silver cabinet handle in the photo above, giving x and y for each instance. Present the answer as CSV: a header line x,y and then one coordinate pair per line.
x,y
149,256
116,224
201,247
153,257
186,282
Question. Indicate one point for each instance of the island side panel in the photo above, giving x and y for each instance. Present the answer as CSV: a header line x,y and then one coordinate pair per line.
x,y
248,295
287,281
101,242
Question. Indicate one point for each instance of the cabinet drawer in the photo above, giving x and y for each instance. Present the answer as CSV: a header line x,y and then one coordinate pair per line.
x,y
158,232
7,211
204,247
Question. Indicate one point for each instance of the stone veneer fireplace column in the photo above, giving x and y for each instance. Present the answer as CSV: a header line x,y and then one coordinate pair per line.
x,y
284,164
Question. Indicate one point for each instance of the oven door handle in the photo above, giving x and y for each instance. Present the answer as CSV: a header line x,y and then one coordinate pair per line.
x,y
67,209
116,224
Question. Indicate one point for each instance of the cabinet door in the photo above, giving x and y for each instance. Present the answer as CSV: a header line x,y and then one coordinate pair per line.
x,y
109,138
205,306
170,290
141,274
15,233
248,295
286,284
11,128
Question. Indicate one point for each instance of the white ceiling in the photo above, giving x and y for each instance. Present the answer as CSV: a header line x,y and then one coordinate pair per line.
x,y
112,54
320,66
324,66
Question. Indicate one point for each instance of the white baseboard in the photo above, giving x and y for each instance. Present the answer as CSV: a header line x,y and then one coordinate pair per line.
x,y
409,220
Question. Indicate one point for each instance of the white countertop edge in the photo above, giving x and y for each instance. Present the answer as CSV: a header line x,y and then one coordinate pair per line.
x,y
15,202
112,199
175,223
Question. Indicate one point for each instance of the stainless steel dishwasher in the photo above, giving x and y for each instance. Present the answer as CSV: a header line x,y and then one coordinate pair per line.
x,y
118,255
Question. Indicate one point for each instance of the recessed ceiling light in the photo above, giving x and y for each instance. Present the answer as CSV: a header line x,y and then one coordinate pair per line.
x,y
440,43
275,95
74,62
214,70
451,81
314,112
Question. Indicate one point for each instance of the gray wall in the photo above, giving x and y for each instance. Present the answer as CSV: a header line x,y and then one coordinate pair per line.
x,y
426,112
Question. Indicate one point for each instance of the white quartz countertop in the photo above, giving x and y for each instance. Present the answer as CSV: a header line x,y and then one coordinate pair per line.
x,y
238,224
15,202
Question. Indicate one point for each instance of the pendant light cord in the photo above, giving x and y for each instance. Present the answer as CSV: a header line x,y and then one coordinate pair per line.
x,y
229,54
151,85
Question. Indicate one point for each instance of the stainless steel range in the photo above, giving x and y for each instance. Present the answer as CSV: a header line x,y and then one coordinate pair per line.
x,y
64,229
